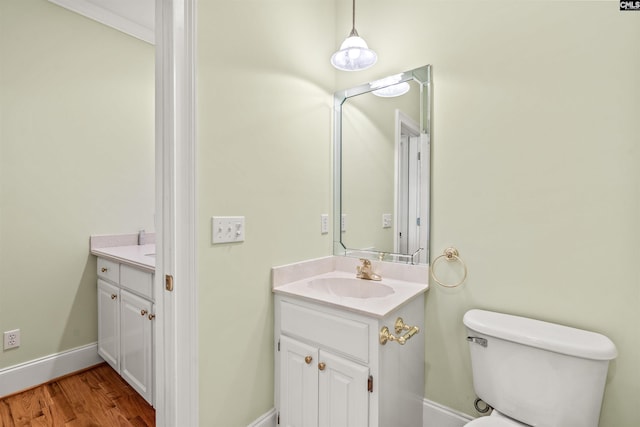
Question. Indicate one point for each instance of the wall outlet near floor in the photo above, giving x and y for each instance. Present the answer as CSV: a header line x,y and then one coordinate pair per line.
x,y
12,339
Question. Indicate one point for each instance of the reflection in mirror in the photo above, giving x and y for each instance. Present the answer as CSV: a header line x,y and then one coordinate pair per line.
x,y
382,169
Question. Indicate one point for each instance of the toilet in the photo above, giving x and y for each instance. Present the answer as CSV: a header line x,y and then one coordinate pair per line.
x,y
535,373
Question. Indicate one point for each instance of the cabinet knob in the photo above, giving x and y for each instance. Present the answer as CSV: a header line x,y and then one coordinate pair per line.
x,y
152,316
114,296
143,312
104,269
308,359
321,366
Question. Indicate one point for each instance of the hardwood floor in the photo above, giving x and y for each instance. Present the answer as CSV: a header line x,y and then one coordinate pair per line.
x,y
95,397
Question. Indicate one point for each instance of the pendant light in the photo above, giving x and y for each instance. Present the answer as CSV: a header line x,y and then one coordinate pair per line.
x,y
354,54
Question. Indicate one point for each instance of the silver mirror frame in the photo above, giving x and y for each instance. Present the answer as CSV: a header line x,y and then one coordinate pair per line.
x,y
421,75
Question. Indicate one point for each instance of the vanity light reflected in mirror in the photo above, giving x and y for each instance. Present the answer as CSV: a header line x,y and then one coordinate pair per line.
x,y
382,168
390,87
392,91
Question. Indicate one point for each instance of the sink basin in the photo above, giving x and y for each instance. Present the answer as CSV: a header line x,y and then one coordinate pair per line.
x,y
353,288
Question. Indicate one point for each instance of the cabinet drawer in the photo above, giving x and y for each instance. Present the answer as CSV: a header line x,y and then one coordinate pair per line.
x,y
108,270
345,335
136,280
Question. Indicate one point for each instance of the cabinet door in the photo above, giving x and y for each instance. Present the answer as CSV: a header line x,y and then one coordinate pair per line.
x,y
298,384
109,323
344,394
136,333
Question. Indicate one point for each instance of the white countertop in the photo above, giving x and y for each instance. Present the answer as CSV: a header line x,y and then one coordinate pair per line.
x,y
141,256
379,307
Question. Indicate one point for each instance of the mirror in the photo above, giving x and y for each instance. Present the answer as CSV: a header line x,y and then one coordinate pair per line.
x,y
382,169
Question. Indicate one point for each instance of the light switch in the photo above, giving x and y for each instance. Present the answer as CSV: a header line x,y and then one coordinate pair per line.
x,y
324,223
386,221
227,229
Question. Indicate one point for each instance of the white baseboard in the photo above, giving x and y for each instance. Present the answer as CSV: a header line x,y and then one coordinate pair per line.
x,y
266,420
436,415
39,371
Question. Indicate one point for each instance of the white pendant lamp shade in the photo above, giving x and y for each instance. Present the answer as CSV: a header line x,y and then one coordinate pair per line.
x,y
354,54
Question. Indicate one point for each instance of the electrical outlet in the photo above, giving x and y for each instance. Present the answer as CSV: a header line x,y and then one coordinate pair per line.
x,y
343,222
324,223
12,339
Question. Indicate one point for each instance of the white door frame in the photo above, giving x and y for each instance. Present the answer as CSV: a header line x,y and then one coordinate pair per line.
x,y
176,354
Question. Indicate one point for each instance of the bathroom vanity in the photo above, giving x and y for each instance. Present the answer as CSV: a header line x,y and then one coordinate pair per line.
x,y
348,351
126,311
348,348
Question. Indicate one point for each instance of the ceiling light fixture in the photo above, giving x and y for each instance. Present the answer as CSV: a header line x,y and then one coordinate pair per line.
x,y
354,54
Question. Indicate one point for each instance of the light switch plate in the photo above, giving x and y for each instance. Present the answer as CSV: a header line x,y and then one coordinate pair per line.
x,y
324,223
227,229
386,220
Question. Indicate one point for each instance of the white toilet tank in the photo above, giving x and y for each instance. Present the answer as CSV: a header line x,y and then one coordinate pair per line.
x,y
538,373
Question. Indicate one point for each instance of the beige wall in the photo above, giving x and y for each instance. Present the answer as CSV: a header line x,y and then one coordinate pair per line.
x,y
76,158
264,151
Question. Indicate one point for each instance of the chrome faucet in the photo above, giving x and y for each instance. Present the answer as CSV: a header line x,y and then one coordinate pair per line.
x,y
365,271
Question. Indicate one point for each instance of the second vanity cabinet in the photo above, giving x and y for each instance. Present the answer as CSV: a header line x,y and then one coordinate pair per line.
x,y
332,370
125,323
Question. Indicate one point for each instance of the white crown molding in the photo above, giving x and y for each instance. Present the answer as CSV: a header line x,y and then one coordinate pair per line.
x,y
132,21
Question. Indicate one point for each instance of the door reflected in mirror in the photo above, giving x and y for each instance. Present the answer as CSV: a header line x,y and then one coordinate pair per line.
x,y
382,168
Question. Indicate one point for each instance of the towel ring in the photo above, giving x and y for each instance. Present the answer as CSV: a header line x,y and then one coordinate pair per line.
x,y
450,254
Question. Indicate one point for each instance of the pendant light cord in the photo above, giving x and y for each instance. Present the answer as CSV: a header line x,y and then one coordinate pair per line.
x,y
353,33
353,16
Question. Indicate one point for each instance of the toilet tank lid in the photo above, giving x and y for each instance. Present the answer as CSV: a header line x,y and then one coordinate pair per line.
x,y
543,335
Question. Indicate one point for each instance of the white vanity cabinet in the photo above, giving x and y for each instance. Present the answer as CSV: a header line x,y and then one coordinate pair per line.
x,y
332,371
321,388
125,323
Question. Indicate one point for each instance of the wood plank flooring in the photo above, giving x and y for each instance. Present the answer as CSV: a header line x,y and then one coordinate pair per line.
x,y
95,397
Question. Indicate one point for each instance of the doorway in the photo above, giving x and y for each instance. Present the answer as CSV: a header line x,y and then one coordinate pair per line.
x,y
412,162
